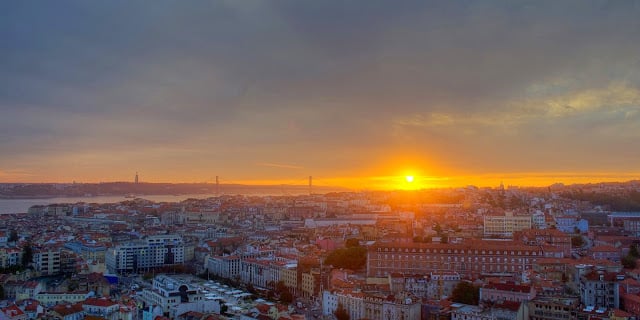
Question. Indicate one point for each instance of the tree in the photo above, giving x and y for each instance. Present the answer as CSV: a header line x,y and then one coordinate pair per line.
x,y
353,258
286,297
577,241
281,287
341,313
27,255
223,308
466,293
629,261
633,251
352,242
1,292
13,236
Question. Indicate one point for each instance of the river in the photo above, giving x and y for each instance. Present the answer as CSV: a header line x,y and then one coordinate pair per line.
x,y
22,205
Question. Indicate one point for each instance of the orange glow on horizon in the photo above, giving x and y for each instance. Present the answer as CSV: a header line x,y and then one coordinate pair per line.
x,y
406,180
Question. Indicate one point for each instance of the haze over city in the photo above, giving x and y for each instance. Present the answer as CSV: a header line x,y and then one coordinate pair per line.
x,y
359,94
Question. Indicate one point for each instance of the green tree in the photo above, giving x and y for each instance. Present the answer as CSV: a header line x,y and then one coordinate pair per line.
x,y
27,255
466,293
341,313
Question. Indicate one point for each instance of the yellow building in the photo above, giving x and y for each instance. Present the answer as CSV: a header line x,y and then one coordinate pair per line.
x,y
505,225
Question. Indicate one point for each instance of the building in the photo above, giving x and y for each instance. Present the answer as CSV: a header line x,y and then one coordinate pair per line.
x,y
168,292
68,311
551,237
224,266
87,250
511,292
366,306
606,252
12,312
53,298
151,252
469,259
101,307
46,261
505,225
600,289
551,308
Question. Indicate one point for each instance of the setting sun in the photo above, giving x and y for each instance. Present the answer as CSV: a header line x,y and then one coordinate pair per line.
x,y
409,178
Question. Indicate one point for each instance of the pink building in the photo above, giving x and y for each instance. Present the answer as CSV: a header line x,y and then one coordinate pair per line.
x,y
501,292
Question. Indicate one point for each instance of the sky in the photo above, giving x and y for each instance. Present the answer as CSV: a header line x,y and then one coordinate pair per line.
x,y
354,93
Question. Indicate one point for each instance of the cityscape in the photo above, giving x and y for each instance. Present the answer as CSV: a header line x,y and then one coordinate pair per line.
x,y
320,160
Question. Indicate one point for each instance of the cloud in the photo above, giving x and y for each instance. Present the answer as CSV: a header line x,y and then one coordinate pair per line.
x,y
328,85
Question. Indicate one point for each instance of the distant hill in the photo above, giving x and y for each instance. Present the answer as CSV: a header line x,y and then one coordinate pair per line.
x,y
47,190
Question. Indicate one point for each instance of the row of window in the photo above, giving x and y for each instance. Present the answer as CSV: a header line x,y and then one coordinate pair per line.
x,y
462,251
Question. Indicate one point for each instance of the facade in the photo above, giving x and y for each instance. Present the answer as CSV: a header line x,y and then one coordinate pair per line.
x,y
551,308
46,261
289,276
224,266
469,312
365,306
467,259
101,307
259,272
606,252
12,312
153,251
168,292
501,292
600,290
551,237
53,298
506,225
68,311
88,252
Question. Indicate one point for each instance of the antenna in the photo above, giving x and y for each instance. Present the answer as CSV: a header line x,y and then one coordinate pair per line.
x,y
310,184
217,186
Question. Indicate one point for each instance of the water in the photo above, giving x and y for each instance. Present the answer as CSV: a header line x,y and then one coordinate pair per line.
x,y
22,205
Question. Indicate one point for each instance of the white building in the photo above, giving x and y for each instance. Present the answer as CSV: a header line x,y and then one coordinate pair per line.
x,y
170,292
364,306
153,251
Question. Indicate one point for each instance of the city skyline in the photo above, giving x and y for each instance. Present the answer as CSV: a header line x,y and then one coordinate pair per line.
x,y
358,95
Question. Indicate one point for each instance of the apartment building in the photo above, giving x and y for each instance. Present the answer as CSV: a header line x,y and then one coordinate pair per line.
x,y
469,259
168,292
505,225
366,306
152,251
46,261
